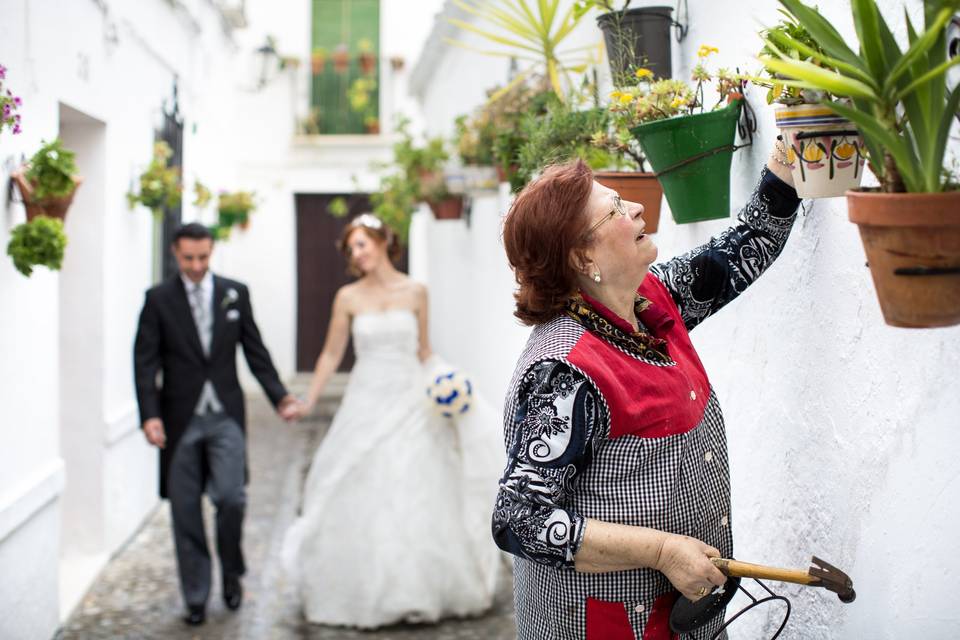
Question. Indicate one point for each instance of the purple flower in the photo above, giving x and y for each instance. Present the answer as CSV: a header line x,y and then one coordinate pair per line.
x,y
16,129
6,109
17,101
3,72
17,117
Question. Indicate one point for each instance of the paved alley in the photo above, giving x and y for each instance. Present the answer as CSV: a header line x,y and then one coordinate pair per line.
x,y
137,595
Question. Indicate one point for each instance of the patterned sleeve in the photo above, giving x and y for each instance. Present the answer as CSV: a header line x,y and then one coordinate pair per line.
x,y
710,276
549,444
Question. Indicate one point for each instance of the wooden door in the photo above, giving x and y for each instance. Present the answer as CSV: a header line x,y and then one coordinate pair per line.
x,y
321,270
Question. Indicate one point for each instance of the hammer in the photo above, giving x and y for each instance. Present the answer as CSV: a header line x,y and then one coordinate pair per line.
x,y
820,574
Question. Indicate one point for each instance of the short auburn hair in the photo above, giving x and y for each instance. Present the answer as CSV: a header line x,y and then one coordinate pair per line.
x,y
377,231
544,226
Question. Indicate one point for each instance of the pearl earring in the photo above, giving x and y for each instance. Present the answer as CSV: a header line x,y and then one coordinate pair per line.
x,y
596,277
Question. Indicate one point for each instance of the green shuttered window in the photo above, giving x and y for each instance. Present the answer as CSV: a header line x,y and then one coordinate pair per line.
x,y
344,65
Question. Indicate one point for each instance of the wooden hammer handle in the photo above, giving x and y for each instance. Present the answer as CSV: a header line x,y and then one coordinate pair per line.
x,y
735,568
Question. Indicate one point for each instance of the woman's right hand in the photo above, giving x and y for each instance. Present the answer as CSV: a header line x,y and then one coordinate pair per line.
x,y
686,563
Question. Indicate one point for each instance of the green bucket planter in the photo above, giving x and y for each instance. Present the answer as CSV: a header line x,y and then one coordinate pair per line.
x,y
691,156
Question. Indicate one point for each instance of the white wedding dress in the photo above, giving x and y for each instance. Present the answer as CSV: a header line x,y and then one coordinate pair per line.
x,y
395,524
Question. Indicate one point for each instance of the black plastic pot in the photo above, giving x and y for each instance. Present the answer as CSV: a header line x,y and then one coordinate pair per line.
x,y
638,38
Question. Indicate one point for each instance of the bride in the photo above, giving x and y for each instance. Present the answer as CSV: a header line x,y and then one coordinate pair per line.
x,y
395,518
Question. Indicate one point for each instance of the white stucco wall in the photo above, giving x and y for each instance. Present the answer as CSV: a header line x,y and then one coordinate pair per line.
x,y
841,429
97,74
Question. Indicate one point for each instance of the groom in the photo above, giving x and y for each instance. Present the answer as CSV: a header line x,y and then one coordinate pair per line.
x,y
188,333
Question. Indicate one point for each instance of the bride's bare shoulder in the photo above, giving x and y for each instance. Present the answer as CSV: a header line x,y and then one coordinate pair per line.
x,y
347,295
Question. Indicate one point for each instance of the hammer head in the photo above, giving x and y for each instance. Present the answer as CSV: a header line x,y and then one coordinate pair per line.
x,y
833,579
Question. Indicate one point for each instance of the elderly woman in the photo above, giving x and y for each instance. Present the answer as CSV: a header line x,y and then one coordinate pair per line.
x,y
617,491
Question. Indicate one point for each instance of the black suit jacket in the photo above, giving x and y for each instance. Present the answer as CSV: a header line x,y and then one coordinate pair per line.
x,y
167,343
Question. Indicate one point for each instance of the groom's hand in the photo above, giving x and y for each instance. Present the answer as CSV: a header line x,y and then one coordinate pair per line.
x,y
290,409
153,430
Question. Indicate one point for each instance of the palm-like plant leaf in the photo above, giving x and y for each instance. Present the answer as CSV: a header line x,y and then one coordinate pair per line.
x,y
533,29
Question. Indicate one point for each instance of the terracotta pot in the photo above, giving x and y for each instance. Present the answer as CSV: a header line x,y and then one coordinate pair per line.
x,y
503,175
447,209
341,61
368,63
50,207
912,242
636,186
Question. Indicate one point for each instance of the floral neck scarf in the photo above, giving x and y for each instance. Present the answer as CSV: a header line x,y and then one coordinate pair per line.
x,y
618,332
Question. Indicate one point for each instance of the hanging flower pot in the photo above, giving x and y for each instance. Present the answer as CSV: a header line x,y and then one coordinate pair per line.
x,y
691,157
341,59
318,60
912,242
449,208
636,186
52,207
825,151
637,38
368,62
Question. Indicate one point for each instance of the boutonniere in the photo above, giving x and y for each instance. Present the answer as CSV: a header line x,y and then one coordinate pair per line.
x,y
230,297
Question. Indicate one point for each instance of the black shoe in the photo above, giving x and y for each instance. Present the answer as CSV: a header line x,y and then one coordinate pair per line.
x,y
232,592
195,616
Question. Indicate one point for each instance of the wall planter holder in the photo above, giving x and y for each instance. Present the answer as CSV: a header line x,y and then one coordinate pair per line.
x,y
825,151
54,207
636,186
912,242
637,38
691,157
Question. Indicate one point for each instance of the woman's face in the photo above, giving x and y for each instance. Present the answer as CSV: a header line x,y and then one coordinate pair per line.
x,y
619,248
366,252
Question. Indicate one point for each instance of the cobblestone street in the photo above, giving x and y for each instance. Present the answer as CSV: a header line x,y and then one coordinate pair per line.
x,y
137,595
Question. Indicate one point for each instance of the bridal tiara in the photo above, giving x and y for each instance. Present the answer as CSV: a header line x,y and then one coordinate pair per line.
x,y
367,220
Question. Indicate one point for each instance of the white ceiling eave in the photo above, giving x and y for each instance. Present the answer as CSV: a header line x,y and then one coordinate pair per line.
x,y
434,48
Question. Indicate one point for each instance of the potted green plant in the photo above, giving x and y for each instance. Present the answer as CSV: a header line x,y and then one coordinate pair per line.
x,y
318,60
910,226
160,184
825,150
366,58
49,181
361,99
574,129
40,242
689,147
473,138
341,58
628,177
9,103
423,165
234,208
395,201
506,114
635,38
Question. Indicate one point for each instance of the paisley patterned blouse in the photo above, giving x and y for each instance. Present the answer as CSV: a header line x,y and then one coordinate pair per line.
x,y
622,426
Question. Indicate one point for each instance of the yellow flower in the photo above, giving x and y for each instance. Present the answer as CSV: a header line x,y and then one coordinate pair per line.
x,y
644,73
705,50
677,103
626,99
615,95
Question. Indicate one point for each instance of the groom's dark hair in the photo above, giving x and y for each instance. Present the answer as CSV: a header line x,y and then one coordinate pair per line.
x,y
192,230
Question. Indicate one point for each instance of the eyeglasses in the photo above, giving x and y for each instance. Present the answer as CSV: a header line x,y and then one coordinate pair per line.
x,y
618,207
